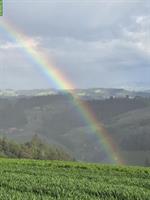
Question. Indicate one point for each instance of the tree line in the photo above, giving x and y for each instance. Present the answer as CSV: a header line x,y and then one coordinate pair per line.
x,y
33,149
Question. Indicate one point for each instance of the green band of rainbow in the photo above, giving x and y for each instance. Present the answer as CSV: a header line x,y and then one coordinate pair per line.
x,y
45,65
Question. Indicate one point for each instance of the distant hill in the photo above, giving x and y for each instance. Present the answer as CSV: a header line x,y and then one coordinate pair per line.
x,y
58,121
92,93
132,129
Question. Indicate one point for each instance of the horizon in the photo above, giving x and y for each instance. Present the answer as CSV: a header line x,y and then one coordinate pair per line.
x,y
90,88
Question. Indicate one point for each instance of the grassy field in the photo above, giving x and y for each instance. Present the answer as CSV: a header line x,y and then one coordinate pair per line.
x,y
28,180
1,7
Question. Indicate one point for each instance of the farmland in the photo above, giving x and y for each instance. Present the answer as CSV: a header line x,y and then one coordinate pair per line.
x,y
30,179
1,7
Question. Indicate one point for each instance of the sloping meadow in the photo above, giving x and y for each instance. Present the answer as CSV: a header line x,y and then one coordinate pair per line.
x,y
1,7
26,179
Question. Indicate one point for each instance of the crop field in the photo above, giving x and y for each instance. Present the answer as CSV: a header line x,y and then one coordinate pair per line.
x,y
1,7
30,180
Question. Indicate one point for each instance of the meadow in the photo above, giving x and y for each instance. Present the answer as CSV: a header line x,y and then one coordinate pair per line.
x,y
1,7
30,180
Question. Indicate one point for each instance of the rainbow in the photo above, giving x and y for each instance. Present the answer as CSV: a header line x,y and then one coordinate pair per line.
x,y
52,73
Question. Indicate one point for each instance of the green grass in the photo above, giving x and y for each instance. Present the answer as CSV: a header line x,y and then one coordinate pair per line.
x,y
30,180
1,7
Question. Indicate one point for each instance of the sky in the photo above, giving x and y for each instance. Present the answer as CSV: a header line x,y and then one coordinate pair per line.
x,y
94,43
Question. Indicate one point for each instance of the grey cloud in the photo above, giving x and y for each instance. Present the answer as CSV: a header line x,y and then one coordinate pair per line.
x,y
86,21
94,44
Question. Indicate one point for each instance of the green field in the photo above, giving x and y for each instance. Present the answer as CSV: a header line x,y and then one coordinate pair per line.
x,y
26,179
1,7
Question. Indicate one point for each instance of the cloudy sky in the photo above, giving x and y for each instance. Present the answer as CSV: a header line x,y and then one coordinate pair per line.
x,y
94,43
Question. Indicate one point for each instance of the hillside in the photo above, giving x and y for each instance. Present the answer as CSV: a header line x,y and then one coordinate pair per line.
x,y
56,120
26,180
34,149
132,129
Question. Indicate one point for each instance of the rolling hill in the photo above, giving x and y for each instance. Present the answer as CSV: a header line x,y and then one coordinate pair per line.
x,y
55,119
